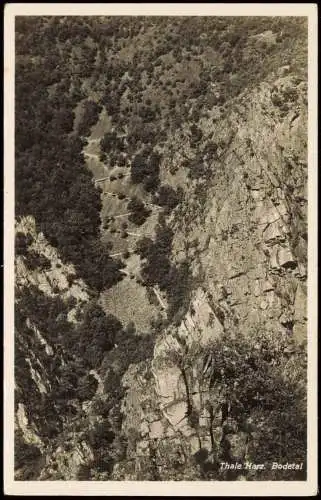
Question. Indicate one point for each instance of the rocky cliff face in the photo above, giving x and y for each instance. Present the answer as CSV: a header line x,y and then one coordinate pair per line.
x,y
250,253
253,247
40,362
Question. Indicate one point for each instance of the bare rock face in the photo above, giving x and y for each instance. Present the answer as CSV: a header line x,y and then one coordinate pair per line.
x,y
28,429
300,313
251,253
39,359
256,208
57,277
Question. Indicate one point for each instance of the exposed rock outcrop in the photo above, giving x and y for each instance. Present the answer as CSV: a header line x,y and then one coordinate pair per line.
x,y
251,254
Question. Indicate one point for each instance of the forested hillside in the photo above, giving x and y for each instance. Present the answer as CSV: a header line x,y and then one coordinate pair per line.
x,y
161,233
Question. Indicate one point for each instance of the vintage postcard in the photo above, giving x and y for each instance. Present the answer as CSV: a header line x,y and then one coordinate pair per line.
x,y
160,249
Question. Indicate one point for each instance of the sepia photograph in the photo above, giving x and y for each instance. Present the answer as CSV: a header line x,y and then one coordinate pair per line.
x,y
161,225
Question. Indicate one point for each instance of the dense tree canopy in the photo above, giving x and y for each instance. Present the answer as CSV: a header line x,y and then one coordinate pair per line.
x,y
52,180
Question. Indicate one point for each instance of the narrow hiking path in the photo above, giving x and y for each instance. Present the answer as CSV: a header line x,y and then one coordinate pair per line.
x,y
129,299
91,155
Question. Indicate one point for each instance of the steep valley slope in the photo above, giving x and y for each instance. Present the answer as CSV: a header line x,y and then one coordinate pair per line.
x,y
161,248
